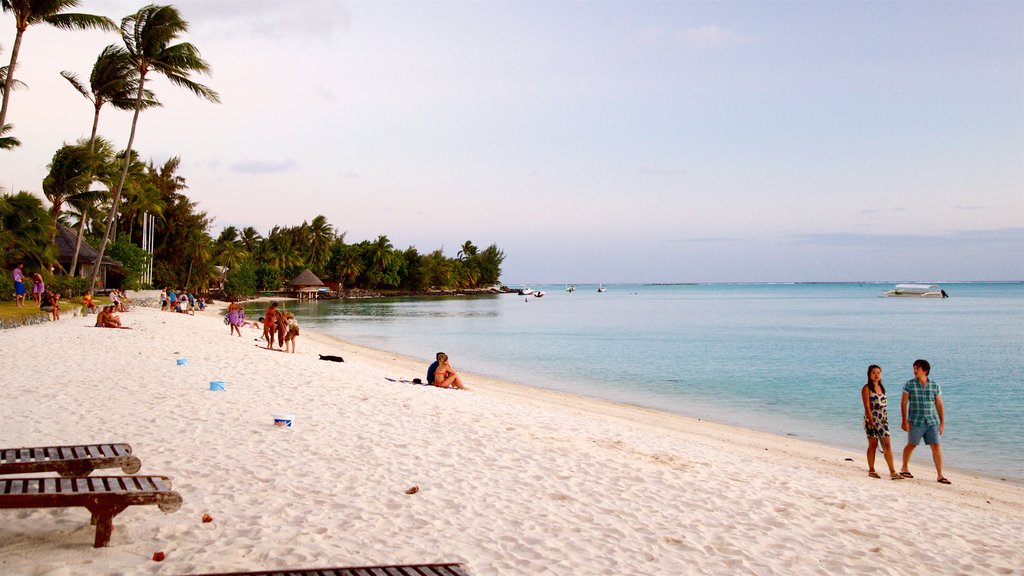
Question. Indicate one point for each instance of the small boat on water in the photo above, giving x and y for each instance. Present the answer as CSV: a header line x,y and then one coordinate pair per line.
x,y
917,291
570,289
601,288
538,294
527,291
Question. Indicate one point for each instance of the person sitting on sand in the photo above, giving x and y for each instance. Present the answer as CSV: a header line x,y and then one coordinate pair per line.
x,y
54,304
88,304
433,368
107,319
876,421
445,376
292,333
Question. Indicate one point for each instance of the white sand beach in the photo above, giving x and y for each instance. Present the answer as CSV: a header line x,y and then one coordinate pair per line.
x,y
512,480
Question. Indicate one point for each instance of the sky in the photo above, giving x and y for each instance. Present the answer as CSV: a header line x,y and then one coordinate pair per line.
x,y
591,141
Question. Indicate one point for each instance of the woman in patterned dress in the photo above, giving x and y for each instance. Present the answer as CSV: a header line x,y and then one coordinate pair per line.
x,y
876,421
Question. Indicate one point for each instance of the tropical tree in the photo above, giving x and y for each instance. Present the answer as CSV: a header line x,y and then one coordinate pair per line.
x,y
30,12
8,142
25,230
350,266
250,238
148,35
70,175
320,236
101,155
468,250
113,81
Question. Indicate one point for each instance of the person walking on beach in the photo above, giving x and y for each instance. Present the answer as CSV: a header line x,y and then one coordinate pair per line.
x,y
18,274
270,316
234,317
445,376
923,417
876,421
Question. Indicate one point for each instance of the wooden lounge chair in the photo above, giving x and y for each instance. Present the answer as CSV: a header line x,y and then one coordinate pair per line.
x,y
68,460
104,496
403,570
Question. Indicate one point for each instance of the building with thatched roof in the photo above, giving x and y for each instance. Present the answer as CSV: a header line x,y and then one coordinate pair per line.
x,y
306,285
87,255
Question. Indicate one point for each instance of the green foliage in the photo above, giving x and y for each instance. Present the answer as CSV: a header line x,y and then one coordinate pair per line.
x,y
68,286
134,261
6,286
241,280
267,277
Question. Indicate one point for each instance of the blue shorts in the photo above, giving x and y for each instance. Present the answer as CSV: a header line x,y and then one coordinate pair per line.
x,y
930,433
19,288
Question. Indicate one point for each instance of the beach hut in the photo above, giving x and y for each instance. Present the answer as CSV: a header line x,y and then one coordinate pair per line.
x,y
87,255
306,285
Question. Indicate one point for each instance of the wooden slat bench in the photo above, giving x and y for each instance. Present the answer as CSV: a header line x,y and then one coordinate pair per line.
x,y
403,570
104,496
68,460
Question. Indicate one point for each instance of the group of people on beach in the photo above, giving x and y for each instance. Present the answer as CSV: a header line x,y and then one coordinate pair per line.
x,y
21,291
277,324
922,417
181,301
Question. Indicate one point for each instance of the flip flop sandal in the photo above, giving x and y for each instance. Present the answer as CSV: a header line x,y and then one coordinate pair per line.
x,y
895,476
943,481
873,475
906,474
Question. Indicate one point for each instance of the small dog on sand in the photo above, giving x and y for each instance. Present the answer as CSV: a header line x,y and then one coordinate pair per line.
x,y
330,358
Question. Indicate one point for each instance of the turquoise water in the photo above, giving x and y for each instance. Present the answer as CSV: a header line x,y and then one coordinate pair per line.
x,y
787,359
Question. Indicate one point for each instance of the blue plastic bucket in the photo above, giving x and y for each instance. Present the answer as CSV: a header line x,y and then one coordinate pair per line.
x,y
182,361
216,385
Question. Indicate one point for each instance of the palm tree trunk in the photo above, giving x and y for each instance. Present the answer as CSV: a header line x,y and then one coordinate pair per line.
x,y
112,217
10,75
81,227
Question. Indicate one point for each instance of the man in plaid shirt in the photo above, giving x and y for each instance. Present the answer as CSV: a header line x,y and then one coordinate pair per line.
x,y
925,417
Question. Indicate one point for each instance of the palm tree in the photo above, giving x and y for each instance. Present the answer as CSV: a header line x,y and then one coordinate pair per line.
x,y
250,238
25,230
383,253
70,175
468,250
351,266
101,155
29,12
147,36
113,80
321,236
8,142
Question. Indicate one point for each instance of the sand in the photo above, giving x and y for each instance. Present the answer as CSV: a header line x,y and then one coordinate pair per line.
x,y
512,480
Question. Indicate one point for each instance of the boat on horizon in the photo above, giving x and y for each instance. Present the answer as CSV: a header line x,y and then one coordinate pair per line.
x,y
601,288
917,291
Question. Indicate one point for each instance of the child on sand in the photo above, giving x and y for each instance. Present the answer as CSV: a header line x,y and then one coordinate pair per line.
x,y
876,421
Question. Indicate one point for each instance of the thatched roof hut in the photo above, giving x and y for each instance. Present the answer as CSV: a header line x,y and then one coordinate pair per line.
x,y
87,255
306,284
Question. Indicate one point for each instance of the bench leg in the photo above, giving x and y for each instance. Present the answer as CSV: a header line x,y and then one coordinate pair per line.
x,y
103,518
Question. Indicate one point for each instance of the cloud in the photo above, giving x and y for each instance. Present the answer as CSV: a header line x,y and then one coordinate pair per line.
x,y
709,36
273,20
957,238
264,166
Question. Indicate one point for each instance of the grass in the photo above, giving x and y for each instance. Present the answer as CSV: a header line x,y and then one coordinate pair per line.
x,y
9,311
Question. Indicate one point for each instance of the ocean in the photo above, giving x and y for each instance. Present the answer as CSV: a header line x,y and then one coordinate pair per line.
x,y
782,358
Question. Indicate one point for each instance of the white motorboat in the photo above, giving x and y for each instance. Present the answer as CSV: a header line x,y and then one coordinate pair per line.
x,y
538,294
601,288
570,289
527,291
917,291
